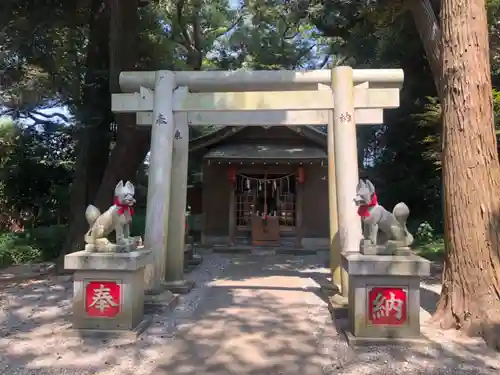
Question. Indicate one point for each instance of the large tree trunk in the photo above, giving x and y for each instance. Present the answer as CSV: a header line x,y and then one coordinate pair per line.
x,y
470,298
124,162
93,137
132,143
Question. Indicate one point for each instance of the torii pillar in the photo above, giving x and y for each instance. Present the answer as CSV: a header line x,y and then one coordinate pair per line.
x,y
346,164
174,267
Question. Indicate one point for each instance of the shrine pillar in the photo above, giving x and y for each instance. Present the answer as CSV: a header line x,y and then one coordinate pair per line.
x,y
346,163
232,216
174,266
160,179
335,266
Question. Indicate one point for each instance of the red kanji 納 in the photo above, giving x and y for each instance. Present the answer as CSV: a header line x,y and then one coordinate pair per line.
x,y
387,306
102,299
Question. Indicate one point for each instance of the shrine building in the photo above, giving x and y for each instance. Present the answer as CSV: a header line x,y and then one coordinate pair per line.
x,y
261,186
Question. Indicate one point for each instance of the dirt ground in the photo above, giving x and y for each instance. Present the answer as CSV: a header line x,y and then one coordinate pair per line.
x,y
252,314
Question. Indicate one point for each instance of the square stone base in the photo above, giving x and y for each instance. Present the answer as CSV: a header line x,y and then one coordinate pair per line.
x,y
337,304
179,286
108,291
195,260
163,299
370,341
384,295
109,334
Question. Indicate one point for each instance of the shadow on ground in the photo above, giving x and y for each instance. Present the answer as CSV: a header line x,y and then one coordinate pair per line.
x,y
258,315
262,318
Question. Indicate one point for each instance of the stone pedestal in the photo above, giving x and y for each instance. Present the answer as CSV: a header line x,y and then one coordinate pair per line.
x,y
392,248
108,292
103,245
384,296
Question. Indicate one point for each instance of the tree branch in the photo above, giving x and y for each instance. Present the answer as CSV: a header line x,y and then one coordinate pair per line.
x,y
50,116
197,32
289,37
188,42
197,51
230,28
302,55
324,62
430,34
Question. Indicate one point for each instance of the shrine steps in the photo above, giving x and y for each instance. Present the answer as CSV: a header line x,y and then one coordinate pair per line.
x,y
268,250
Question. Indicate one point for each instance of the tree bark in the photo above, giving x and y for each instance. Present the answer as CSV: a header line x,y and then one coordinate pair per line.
x,y
132,143
124,162
94,135
470,298
427,26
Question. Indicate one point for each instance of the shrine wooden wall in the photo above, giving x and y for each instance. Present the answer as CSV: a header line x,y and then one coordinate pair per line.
x,y
216,190
315,207
216,187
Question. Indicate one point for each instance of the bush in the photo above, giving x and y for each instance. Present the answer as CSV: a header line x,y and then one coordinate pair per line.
x,y
433,251
33,245
15,250
428,245
49,240
425,233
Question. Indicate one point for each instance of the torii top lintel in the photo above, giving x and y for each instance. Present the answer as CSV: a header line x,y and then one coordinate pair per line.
x,y
259,80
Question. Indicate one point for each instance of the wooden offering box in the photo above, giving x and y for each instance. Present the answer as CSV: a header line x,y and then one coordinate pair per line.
x,y
265,232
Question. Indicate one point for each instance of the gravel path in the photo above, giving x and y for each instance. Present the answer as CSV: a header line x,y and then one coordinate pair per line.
x,y
256,315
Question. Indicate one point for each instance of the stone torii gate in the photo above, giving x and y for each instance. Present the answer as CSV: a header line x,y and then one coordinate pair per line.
x,y
171,101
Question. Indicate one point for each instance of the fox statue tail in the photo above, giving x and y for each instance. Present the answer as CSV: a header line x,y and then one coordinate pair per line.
x,y
92,213
401,212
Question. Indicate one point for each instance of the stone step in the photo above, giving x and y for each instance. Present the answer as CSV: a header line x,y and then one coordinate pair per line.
x,y
259,249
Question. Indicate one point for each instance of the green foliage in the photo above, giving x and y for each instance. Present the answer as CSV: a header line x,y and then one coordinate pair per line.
x,y
48,239
427,244
433,251
425,233
138,227
33,245
430,119
13,250
270,26
36,166
41,58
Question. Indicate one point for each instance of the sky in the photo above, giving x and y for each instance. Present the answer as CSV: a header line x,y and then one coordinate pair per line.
x,y
63,110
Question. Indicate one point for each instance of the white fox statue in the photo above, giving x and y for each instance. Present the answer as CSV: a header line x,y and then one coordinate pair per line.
x,y
117,218
375,217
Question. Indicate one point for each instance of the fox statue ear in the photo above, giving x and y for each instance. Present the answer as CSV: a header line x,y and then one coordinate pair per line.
x,y
119,187
360,184
371,188
129,187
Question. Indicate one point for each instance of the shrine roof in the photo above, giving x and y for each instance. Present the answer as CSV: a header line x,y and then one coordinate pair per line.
x,y
224,132
265,151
